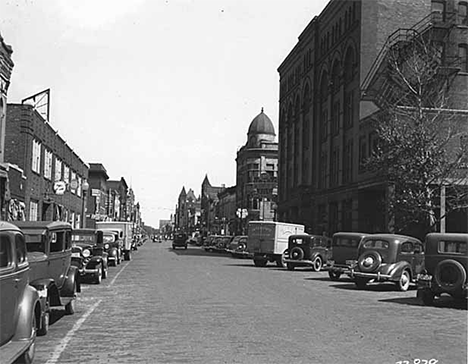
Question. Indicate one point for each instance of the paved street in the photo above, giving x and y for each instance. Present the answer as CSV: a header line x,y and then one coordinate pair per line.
x,y
189,306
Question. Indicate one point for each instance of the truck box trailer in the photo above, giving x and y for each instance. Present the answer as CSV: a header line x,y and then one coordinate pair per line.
x,y
125,233
268,241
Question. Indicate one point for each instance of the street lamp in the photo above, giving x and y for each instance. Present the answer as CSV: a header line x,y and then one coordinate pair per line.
x,y
85,188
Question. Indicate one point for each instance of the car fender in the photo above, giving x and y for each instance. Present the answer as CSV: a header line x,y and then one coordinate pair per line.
x,y
396,269
27,311
71,281
315,255
46,288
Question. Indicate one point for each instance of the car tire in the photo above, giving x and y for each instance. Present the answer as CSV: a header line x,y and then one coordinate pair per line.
x,y
104,273
173,247
70,306
334,276
186,247
280,261
440,275
297,253
317,264
360,282
128,255
45,321
290,266
377,261
404,281
260,262
99,276
28,356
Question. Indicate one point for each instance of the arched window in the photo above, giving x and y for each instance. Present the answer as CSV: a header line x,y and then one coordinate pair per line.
x,y
463,13
348,73
462,54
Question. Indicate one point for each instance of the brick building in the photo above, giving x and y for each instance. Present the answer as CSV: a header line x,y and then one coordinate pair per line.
x,y
323,141
117,191
257,170
226,211
54,174
188,212
97,200
6,67
209,200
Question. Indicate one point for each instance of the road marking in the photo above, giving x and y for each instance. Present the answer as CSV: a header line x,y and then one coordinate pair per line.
x,y
116,276
63,344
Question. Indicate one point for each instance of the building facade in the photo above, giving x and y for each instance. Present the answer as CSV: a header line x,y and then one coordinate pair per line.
x,y
209,201
323,140
188,212
6,67
257,172
54,175
226,211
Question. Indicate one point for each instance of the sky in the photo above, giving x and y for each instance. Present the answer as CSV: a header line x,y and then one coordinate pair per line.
x,y
161,92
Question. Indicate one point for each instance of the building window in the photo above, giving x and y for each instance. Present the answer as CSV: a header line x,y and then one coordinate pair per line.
x,y
48,164
462,54
335,126
58,169
78,190
348,110
324,125
438,10
333,218
348,161
36,157
323,170
33,210
463,13
347,215
73,178
66,174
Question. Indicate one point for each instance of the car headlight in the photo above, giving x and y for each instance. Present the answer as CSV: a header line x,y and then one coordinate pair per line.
x,y
86,253
106,246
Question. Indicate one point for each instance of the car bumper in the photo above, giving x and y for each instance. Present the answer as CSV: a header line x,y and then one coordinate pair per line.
x,y
241,254
376,276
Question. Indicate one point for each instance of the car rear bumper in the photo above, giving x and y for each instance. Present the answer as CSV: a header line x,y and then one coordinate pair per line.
x,y
376,276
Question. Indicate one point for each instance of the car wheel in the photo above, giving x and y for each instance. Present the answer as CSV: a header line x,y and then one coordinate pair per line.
x,y
104,273
70,306
450,275
297,253
28,356
173,247
99,276
44,328
360,282
186,247
317,264
290,266
404,281
334,276
260,262
128,255
426,296
280,261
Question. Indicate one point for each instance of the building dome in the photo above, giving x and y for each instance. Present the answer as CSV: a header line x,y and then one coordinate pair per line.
x,y
261,124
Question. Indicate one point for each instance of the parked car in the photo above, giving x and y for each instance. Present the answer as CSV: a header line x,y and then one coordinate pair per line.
x,y
344,253
238,247
124,236
209,242
48,245
20,311
306,250
445,267
88,254
388,257
112,246
221,243
180,240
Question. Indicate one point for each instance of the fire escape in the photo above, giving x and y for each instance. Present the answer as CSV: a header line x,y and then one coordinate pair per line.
x,y
427,41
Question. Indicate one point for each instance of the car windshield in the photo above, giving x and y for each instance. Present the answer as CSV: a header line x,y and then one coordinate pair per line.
x,y
108,238
376,244
454,247
35,243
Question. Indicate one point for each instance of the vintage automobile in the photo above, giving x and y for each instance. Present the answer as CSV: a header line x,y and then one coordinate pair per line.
x,y
20,312
445,267
220,244
306,250
388,257
112,246
180,240
344,253
48,245
208,242
88,254
238,247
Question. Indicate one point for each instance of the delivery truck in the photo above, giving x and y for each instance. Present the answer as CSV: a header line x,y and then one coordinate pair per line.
x,y
124,229
268,241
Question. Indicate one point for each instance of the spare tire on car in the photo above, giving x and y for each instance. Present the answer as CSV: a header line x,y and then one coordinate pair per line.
x,y
297,253
369,261
450,275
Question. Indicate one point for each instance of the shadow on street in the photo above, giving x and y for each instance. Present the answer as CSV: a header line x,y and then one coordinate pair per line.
x,y
192,251
373,287
56,315
442,302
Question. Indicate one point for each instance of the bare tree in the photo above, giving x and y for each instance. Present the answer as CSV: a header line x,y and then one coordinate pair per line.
x,y
421,139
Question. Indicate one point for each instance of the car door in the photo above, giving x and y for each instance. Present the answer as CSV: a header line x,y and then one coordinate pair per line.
x,y
406,252
56,257
8,288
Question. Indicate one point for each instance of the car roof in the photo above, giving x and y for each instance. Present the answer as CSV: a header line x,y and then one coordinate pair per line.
x,y
452,236
399,238
42,225
351,233
85,231
308,235
6,226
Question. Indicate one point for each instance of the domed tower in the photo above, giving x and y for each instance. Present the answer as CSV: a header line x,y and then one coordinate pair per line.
x,y
261,129
257,173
